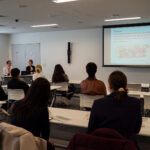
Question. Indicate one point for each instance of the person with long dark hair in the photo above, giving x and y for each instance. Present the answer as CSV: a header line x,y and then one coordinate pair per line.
x,y
59,75
118,110
31,113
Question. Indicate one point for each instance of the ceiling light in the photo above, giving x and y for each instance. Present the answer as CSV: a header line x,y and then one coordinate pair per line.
x,y
44,25
63,1
121,19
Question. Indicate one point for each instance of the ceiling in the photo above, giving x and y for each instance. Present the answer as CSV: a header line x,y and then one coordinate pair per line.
x,y
81,14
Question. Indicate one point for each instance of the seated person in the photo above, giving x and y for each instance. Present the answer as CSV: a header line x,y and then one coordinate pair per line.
x,y
38,72
15,82
117,111
3,95
91,85
31,113
30,69
59,75
7,68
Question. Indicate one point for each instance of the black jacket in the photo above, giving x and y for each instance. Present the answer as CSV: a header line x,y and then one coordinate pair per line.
x,y
125,116
17,84
28,69
3,96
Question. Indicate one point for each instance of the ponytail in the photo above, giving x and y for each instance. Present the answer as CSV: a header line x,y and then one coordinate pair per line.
x,y
120,94
118,82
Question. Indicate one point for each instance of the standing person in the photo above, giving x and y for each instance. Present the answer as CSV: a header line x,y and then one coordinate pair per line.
x,y
59,75
31,113
15,82
118,110
91,85
7,69
30,69
38,72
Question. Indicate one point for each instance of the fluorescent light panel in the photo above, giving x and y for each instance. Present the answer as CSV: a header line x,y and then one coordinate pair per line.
x,y
63,1
121,19
44,25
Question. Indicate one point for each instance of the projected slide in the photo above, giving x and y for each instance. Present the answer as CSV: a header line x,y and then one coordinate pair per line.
x,y
127,46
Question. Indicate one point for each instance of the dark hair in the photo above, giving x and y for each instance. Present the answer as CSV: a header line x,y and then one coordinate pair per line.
x,y
8,61
117,80
36,99
15,72
58,75
31,61
91,69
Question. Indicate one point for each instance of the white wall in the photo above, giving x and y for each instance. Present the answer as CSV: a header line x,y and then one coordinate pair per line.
x,y
87,46
4,51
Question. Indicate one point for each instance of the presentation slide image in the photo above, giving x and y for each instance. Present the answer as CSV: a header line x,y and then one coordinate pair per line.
x,y
130,46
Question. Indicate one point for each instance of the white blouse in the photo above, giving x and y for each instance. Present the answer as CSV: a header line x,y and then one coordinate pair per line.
x,y
38,75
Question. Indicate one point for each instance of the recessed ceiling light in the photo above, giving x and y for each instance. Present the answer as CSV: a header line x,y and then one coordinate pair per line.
x,y
63,1
121,19
44,25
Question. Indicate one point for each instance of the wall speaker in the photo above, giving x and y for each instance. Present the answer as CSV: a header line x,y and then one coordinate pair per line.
x,y
69,52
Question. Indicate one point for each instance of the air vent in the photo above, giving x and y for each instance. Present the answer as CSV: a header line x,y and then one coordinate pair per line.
x,y
23,6
2,16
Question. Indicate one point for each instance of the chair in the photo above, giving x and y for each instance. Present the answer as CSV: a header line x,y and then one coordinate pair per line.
x,y
134,87
64,86
146,104
62,92
16,138
86,101
100,139
15,94
135,95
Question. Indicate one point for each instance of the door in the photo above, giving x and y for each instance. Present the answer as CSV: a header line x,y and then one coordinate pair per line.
x,y
22,53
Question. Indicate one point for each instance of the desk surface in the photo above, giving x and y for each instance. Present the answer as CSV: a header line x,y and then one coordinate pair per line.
x,y
81,118
69,117
53,87
135,93
3,102
71,81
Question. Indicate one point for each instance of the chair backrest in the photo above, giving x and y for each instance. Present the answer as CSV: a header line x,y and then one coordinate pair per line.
x,y
100,140
134,87
64,86
146,102
15,94
135,95
88,100
16,138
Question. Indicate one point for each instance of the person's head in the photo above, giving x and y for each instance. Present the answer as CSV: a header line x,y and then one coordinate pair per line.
x,y
35,100
118,83
15,73
39,93
30,62
91,69
8,62
59,69
38,68
58,75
